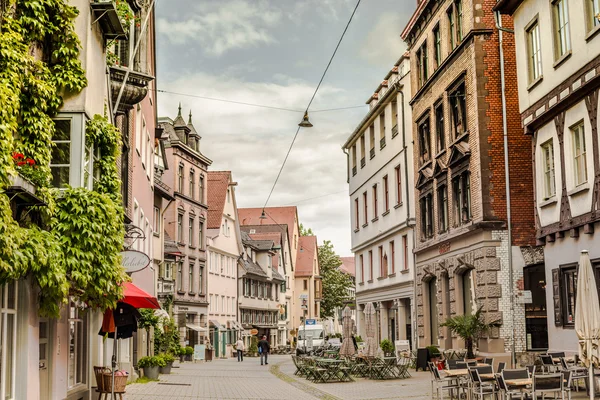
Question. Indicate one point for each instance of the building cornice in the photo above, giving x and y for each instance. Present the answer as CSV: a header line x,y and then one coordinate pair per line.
x,y
406,224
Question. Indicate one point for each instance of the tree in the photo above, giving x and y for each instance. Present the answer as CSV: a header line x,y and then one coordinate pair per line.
x,y
335,282
470,328
306,232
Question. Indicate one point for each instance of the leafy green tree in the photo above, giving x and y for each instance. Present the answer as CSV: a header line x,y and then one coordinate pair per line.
x,y
306,232
335,282
469,328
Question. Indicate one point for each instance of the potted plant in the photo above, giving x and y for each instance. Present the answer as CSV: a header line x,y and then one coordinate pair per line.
x,y
387,347
253,349
189,352
434,353
150,365
168,359
469,328
358,339
181,353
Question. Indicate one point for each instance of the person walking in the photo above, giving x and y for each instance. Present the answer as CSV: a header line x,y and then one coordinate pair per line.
x,y
263,349
239,346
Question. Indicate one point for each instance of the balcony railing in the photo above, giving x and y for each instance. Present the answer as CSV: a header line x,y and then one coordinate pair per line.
x,y
105,13
395,130
382,143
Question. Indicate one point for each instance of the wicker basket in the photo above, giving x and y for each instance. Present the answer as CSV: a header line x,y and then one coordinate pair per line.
x,y
120,383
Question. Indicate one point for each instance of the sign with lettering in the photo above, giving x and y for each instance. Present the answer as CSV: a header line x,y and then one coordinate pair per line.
x,y
444,247
134,261
311,322
524,297
199,352
254,332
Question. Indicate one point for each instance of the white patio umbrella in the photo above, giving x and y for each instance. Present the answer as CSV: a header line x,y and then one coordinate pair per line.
x,y
371,347
587,317
349,329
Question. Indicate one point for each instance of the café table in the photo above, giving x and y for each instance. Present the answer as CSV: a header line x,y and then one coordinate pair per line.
x,y
454,373
519,382
335,370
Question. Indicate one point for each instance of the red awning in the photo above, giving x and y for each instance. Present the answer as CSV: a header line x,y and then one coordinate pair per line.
x,y
138,298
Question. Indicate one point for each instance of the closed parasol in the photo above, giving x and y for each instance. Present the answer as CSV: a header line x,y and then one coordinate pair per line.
x,y
371,346
348,329
587,317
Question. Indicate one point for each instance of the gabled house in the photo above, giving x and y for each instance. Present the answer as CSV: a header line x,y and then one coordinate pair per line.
x,y
308,285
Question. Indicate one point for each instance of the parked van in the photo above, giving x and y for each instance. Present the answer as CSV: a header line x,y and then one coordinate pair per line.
x,y
314,336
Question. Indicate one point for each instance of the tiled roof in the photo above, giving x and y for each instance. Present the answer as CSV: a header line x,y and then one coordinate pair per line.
x,y
193,130
218,182
261,245
253,268
273,236
306,254
170,245
278,215
179,121
168,131
277,275
348,265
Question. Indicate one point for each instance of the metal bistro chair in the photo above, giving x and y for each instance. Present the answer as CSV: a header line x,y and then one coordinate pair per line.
x,y
489,361
531,370
484,369
480,389
501,366
577,372
508,393
451,364
548,384
547,363
471,363
567,382
439,384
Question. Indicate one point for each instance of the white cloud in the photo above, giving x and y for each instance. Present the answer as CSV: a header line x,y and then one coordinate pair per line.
x,y
384,40
223,26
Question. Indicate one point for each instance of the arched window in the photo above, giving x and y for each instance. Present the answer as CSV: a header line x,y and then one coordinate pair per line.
x,y
433,313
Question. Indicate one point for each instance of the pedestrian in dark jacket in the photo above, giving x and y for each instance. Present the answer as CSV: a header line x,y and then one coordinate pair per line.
x,y
264,348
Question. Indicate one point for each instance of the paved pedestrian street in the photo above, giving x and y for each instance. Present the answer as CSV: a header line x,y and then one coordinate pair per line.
x,y
228,379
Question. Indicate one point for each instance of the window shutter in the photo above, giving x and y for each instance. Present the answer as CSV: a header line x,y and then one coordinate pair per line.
x,y
556,297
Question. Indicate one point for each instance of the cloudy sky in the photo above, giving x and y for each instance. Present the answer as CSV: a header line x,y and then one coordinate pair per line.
x,y
273,52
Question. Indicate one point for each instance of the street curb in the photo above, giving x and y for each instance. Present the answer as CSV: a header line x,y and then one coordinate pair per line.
x,y
319,394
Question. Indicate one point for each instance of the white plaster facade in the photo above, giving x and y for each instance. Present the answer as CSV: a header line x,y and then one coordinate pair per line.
x,y
381,179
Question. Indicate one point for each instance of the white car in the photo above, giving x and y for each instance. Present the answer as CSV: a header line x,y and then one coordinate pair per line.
x,y
312,340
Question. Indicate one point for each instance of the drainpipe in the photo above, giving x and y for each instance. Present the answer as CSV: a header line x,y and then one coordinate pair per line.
x,y
507,180
347,164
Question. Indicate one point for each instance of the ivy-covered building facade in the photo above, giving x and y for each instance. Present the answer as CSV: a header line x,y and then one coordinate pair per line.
x,y
66,132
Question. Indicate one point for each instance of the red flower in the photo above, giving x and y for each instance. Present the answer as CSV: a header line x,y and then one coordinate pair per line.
x,y
20,163
18,156
30,161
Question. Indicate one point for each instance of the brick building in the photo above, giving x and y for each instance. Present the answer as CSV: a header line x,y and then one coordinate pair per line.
x,y
462,250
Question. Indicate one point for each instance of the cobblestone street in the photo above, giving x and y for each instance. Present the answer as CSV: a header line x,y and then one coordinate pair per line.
x,y
228,379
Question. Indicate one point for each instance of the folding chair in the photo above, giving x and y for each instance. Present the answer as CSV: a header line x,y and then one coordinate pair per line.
x,y
548,384
577,372
480,388
547,363
501,366
442,384
508,393
488,361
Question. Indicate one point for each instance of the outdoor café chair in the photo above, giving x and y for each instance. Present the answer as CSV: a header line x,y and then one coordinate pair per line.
x,y
471,363
484,369
519,373
531,370
488,361
547,363
506,392
548,384
479,388
577,372
439,384
298,363
501,366
451,364
567,382
403,365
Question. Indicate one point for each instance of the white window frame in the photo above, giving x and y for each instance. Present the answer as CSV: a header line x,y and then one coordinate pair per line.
x,y
562,34
168,271
592,9
548,168
7,374
74,309
156,222
534,51
580,175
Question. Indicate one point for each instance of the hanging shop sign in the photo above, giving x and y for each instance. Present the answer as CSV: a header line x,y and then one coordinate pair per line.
x,y
134,261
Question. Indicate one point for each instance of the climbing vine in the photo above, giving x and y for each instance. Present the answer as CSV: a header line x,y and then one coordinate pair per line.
x,y
75,249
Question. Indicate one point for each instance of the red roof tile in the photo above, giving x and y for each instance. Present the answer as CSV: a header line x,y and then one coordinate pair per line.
x,y
306,253
274,236
348,265
218,182
279,215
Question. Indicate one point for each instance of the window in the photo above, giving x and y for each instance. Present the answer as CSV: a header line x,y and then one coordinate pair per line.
x,y
579,155
534,52
191,232
459,32
91,168
365,208
549,177
8,339
393,257
424,142
201,279
180,178
305,284
398,185
386,194
362,268
562,36
394,118
61,153
467,293
437,42
191,277
426,216
372,141
200,235
246,287
228,195
375,212
180,276
569,294
442,195
405,251
370,265
180,228
382,263
201,188
382,130
422,67
440,133
168,271
356,216
353,160
458,111
77,362
156,221
592,12
192,185
452,27
461,188
362,151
